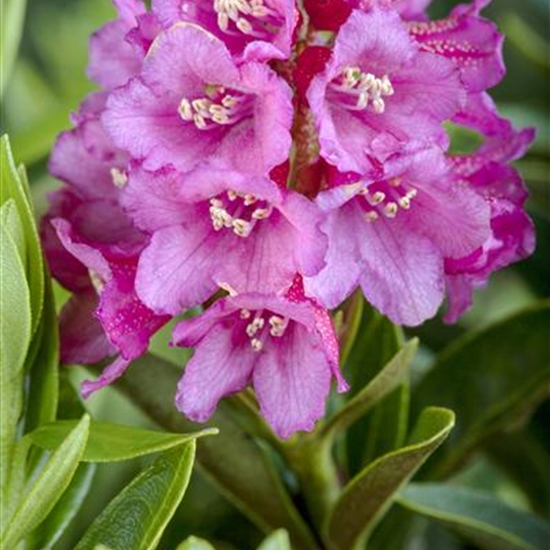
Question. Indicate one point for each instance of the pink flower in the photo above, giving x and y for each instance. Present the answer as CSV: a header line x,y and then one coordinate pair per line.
x,y
471,42
378,92
488,173
390,234
251,29
192,105
219,228
284,346
93,249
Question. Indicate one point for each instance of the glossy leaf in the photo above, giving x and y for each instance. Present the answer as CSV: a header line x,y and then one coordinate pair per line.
x,y
38,501
49,531
503,371
276,541
369,495
138,515
478,516
384,429
13,18
15,186
392,375
233,460
113,442
194,543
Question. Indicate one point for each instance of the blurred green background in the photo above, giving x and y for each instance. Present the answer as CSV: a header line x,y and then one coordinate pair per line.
x,y
47,80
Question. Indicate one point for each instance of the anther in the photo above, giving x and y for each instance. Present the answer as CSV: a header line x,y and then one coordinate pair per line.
x,y
371,216
256,344
390,210
245,314
119,177
241,227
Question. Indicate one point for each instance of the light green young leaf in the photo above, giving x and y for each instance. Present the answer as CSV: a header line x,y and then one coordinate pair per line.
x,y
11,221
38,501
113,442
394,373
477,516
15,334
368,496
233,460
504,370
12,20
194,543
385,427
138,515
52,528
276,541
14,185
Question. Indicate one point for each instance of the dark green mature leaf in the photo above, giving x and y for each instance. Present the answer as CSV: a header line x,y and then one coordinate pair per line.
x,y
477,516
503,372
12,20
233,460
15,186
138,515
113,442
369,495
384,429
53,527
388,379
43,373
194,543
38,501
276,541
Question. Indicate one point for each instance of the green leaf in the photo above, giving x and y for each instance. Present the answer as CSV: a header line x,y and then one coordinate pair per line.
x,y
15,334
503,371
478,516
12,20
138,515
194,543
388,379
276,541
38,501
52,528
384,429
233,460
15,186
113,442
43,373
368,496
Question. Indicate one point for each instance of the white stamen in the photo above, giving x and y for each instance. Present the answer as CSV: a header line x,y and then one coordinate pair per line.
x,y
119,177
185,111
367,87
278,326
404,203
390,210
261,213
245,314
241,227
256,344
232,195
371,216
254,326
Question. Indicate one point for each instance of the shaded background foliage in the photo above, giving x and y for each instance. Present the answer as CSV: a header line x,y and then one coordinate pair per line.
x,y
48,80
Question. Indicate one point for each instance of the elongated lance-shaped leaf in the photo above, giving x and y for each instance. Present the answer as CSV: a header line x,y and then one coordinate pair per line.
x,y
368,496
38,501
15,334
52,528
233,460
384,428
394,373
12,20
113,442
138,515
14,185
478,516
504,371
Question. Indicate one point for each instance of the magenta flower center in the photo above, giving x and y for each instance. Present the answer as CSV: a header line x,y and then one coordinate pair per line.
x,y
239,212
386,198
250,17
262,326
216,108
356,90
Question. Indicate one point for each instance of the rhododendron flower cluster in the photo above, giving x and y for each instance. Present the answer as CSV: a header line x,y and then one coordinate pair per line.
x,y
258,161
